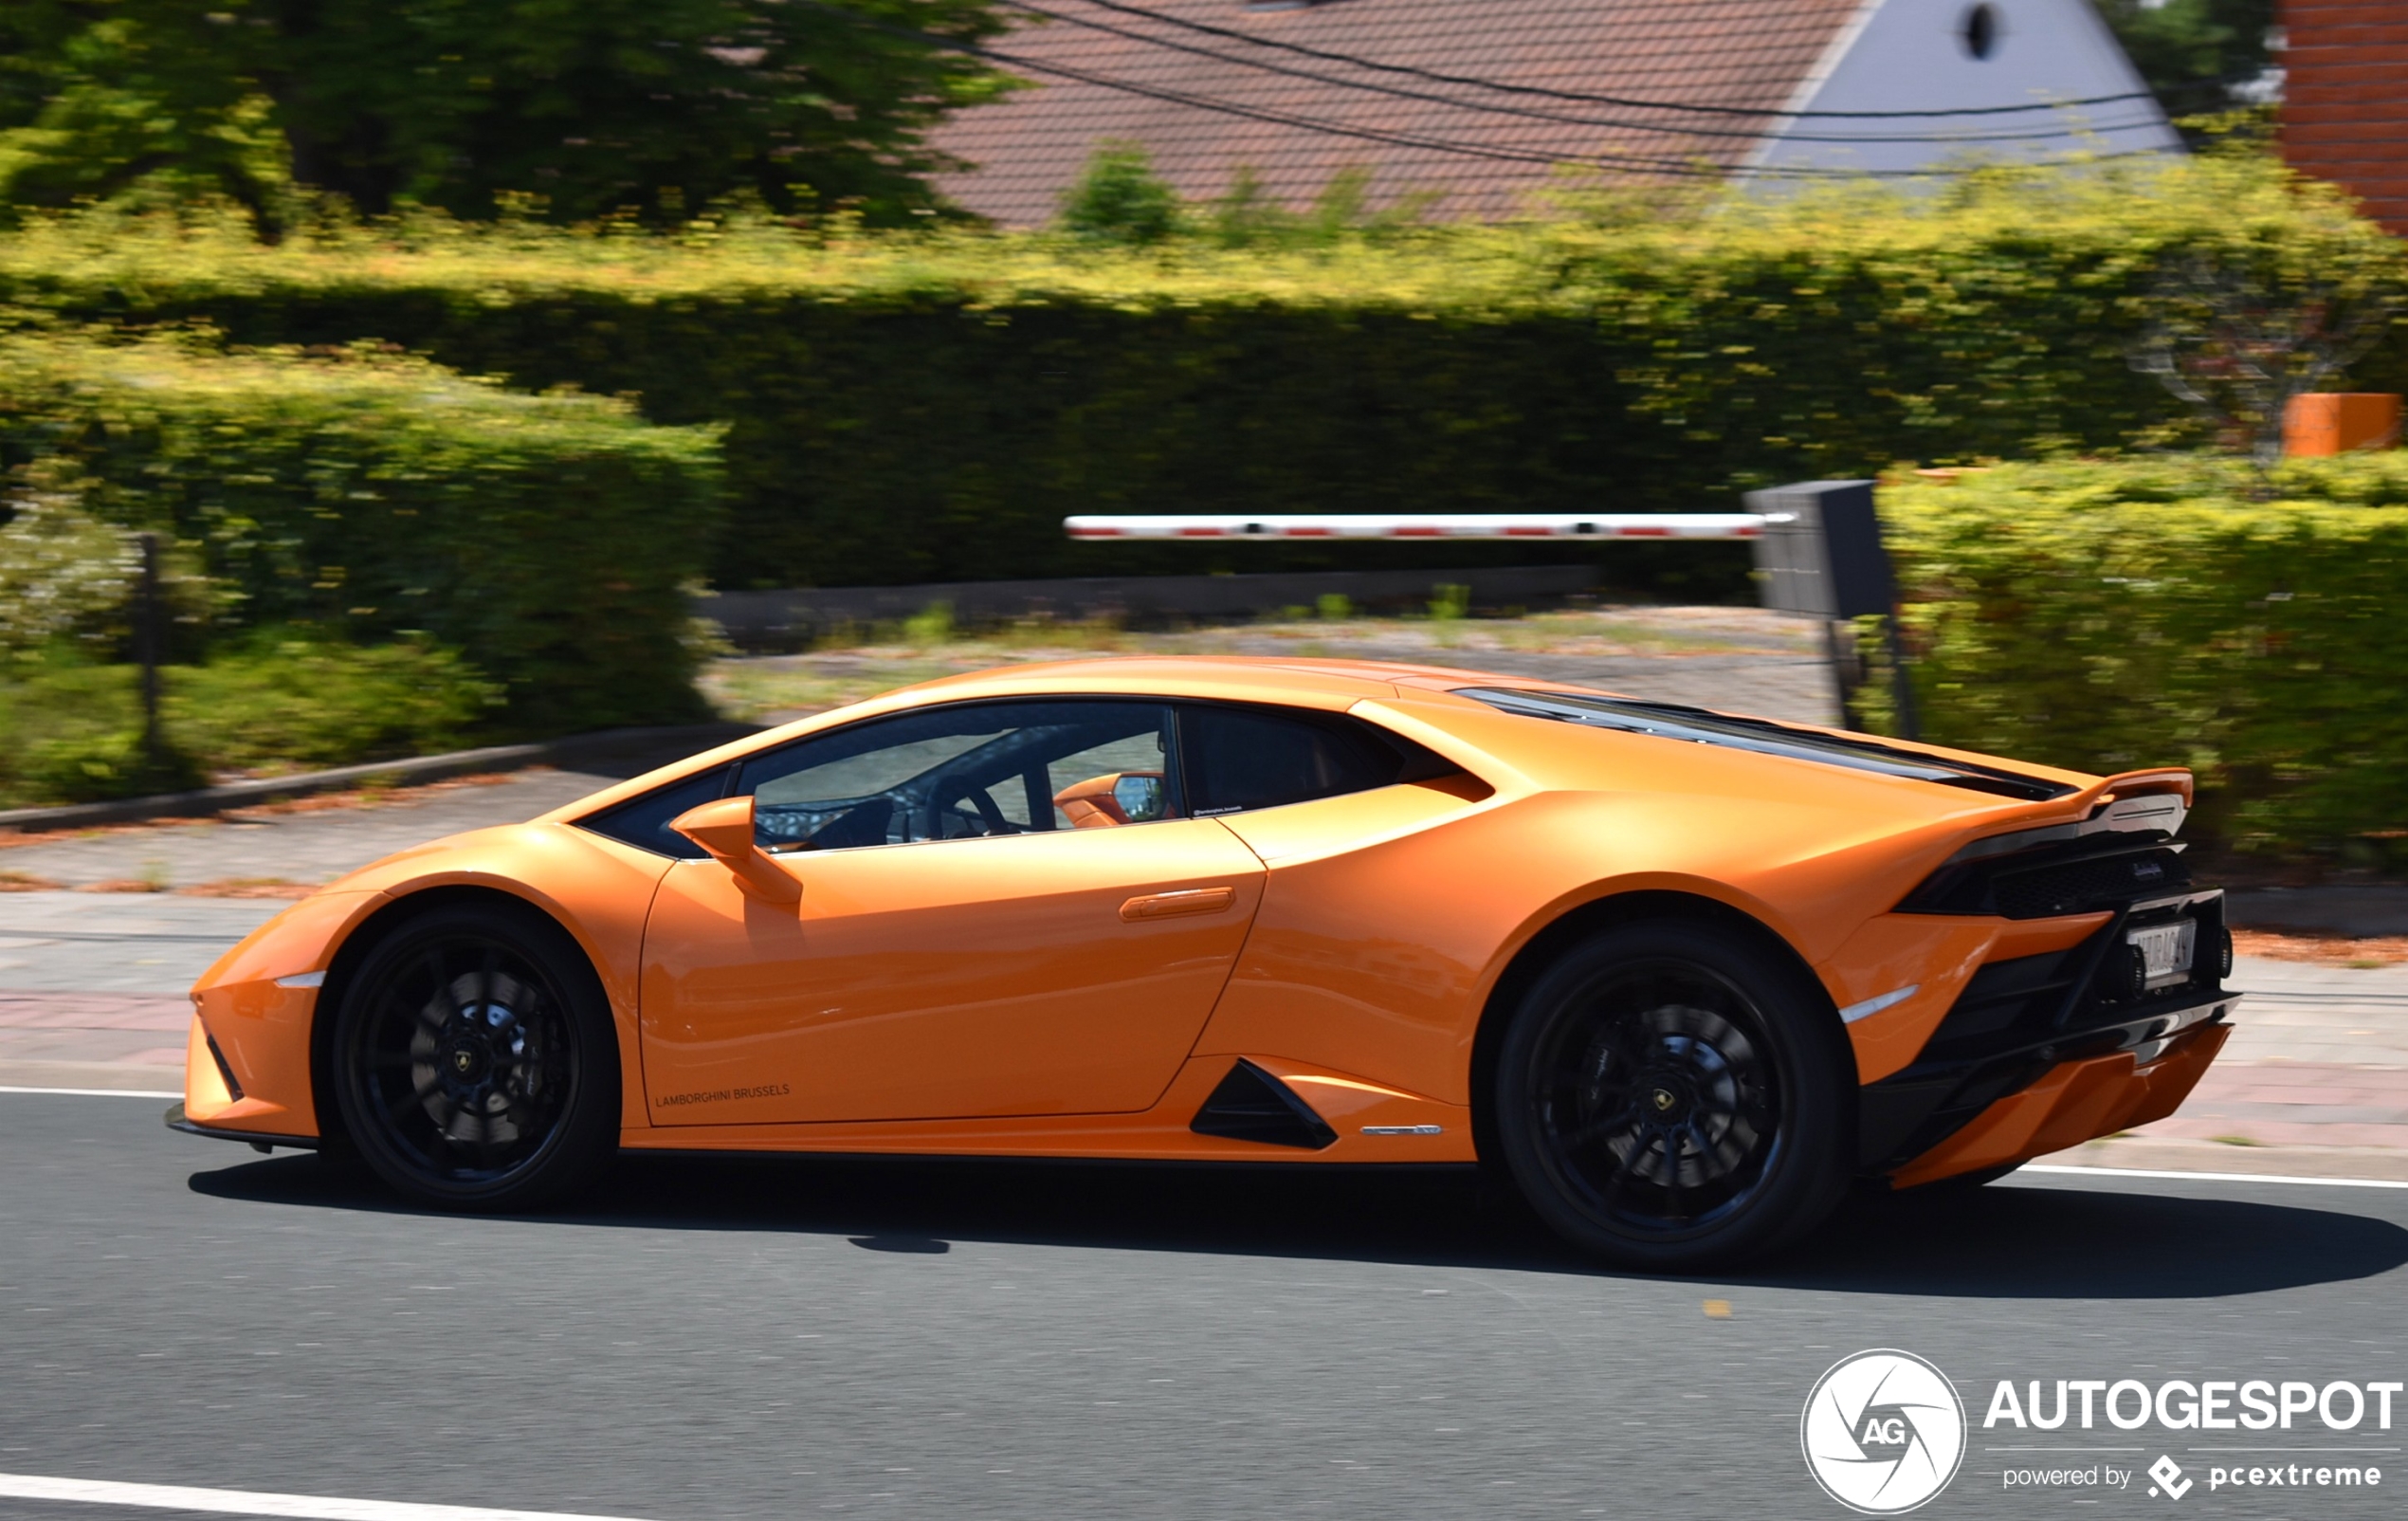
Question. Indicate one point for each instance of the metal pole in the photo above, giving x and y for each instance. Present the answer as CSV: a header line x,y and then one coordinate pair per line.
x,y
1840,685
146,644
1902,689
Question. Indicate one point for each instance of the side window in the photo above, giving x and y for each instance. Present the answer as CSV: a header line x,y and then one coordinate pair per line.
x,y
1241,757
961,772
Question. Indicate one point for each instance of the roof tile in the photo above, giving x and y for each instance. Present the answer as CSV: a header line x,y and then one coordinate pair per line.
x,y
1031,147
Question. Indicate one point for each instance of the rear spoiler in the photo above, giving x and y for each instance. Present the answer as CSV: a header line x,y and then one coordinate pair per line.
x,y
2128,802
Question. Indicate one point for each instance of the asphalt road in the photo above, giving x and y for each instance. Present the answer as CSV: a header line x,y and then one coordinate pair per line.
x,y
739,1338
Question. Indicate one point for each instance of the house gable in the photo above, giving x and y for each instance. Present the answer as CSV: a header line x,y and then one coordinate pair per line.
x,y
1955,55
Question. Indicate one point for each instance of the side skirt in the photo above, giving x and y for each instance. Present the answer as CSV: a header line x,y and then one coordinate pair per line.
x,y
1369,1123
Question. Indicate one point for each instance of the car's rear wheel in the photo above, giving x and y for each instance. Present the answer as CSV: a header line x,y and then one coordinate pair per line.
x,y
474,1062
1669,1096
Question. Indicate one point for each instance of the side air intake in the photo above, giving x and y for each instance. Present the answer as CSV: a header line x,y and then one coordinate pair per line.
x,y
1252,1105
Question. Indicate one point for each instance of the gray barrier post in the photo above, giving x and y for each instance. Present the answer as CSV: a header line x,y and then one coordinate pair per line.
x,y
1821,557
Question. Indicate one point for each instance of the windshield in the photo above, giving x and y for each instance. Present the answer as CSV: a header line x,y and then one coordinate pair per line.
x,y
1697,725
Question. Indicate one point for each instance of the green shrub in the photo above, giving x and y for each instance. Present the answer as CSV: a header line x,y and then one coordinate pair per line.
x,y
915,409
2152,611
60,572
91,765
371,496
1119,198
281,698
274,700
71,731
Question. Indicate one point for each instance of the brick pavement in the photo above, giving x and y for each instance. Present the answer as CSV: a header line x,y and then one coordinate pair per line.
x,y
2314,1080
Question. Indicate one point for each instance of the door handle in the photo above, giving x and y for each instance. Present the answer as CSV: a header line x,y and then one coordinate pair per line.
x,y
1187,901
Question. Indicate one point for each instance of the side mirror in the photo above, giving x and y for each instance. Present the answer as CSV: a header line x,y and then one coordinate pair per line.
x,y
1140,796
725,828
1115,797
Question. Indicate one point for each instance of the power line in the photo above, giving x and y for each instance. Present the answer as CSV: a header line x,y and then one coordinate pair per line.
x,y
1752,134
1333,129
1581,98
1677,169
1672,167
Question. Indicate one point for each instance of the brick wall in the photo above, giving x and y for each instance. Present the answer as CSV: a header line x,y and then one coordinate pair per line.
x,y
2345,99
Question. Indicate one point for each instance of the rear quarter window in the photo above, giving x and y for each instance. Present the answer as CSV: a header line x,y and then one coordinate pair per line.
x,y
1238,758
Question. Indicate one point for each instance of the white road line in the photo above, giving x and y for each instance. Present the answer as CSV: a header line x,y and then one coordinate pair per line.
x,y
102,1092
248,1502
2216,1176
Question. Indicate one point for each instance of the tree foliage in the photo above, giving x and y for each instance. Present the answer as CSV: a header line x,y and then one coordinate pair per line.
x,y
578,109
2198,55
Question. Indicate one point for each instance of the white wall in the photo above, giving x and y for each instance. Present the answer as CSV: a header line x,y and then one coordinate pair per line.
x,y
1911,55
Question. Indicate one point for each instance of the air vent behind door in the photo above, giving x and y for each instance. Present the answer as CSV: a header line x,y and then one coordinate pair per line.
x,y
1252,1105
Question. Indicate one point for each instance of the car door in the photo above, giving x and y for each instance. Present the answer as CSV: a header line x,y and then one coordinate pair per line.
x,y
965,944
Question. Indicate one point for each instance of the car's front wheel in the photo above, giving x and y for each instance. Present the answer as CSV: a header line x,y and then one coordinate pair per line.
x,y
1669,1096
474,1061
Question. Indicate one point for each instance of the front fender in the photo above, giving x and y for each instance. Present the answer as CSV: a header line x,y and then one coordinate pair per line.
x,y
256,1005
596,888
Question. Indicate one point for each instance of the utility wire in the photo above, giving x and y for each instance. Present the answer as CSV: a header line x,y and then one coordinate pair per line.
x,y
1688,170
1675,168
1581,98
1752,134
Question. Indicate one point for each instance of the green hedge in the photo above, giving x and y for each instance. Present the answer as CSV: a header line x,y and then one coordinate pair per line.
x,y
266,701
904,408
368,495
2177,611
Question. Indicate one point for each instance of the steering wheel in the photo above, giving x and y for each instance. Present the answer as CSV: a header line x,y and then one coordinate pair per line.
x,y
982,816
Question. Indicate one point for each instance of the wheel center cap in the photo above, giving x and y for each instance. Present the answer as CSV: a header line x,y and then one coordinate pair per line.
x,y
1663,1099
467,1061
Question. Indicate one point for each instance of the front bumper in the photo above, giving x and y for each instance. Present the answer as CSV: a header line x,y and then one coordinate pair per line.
x,y
2038,1054
175,1121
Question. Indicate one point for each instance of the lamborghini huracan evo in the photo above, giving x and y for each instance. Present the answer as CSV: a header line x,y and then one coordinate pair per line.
x,y
1680,975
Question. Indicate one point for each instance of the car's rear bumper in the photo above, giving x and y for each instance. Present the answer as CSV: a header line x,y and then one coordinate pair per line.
x,y
2073,1101
2043,1052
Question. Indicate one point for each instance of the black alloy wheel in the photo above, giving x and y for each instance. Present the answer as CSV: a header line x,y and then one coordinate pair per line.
x,y
1668,1096
474,1060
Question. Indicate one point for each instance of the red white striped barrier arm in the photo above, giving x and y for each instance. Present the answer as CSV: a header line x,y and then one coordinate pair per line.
x,y
1424,525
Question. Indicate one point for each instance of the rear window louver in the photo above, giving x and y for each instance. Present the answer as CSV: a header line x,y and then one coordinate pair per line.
x,y
1697,726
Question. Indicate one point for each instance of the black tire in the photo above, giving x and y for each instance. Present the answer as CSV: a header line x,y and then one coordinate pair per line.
x,y
474,1060
1670,1097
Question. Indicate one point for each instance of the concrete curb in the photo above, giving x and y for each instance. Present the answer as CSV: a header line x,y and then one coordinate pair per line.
x,y
204,801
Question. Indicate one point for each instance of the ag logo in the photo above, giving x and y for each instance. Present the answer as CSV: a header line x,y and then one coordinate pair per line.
x,y
1882,1432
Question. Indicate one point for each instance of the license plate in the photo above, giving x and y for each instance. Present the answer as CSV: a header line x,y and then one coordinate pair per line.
x,y
2165,949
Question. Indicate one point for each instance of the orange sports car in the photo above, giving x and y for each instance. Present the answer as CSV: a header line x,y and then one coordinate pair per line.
x,y
1680,975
